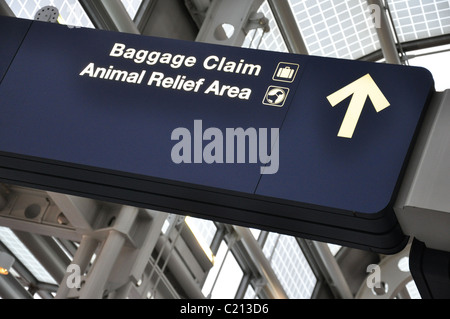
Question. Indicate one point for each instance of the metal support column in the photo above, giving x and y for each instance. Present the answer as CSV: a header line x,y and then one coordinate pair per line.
x,y
288,26
167,19
47,252
141,257
232,14
109,15
273,285
5,10
122,251
385,34
10,288
94,287
386,280
339,283
82,258
97,278
179,270
80,212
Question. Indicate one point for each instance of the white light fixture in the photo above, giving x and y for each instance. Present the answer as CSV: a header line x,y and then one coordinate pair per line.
x,y
6,262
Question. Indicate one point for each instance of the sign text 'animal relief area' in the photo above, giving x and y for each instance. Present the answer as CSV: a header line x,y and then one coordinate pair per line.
x,y
179,82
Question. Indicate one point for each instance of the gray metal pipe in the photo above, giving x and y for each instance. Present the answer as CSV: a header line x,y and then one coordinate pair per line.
x,y
333,269
385,35
49,255
285,19
179,270
5,10
10,288
120,16
273,285
109,252
103,266
82,257
109,15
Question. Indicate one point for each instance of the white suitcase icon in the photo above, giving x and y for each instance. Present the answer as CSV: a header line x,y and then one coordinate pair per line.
x,y
285,73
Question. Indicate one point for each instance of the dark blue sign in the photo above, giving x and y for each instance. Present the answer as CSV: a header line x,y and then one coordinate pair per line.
x,y
308,146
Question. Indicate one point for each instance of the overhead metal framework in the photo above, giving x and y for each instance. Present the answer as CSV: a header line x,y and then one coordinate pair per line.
x,y
74,247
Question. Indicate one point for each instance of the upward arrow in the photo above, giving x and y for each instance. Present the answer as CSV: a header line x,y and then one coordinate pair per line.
x,y
363,88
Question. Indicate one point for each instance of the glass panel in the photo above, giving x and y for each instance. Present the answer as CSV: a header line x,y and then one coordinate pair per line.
x,y
24,255
132,6
273,40
417,19
223,280
290,266
203,229
70,10
323,23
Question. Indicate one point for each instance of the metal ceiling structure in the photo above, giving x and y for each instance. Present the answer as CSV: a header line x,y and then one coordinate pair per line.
x,y
72,247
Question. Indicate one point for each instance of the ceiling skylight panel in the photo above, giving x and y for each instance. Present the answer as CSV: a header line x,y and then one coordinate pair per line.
x,y
24,255
346,24
414,19
290,265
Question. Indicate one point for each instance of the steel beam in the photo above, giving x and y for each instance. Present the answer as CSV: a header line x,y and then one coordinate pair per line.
x,y
235,13
392,280
5,10
80,212
273,285
46,220
201,5
337,281
178,268
109,15
198,9
104,264
385,34
166,18
47,252
288,26
82,258
10,288
97,278
135,270
419,44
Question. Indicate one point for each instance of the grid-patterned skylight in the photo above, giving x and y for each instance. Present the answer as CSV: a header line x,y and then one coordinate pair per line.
x,y
290,266
336,28
418,19
24,255
273,40
70,10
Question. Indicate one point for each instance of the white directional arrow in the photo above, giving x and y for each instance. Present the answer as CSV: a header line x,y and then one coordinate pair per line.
x,y
361,89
